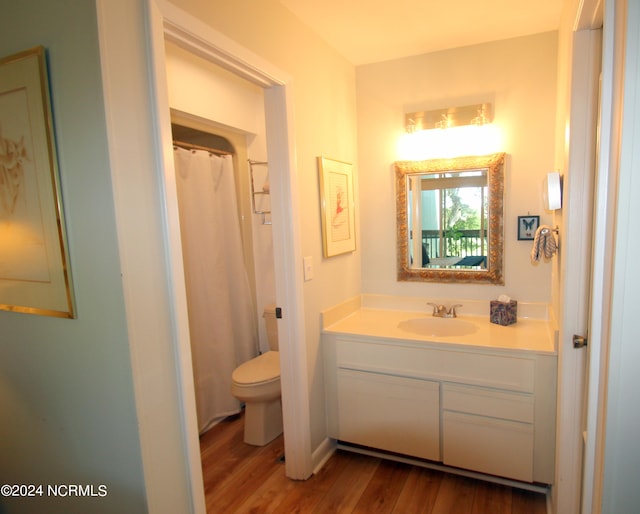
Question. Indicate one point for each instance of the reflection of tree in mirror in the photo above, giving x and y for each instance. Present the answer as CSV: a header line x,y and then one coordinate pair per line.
x,y
461,218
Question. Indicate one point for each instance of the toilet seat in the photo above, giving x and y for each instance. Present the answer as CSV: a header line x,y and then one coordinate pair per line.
x,y
261,370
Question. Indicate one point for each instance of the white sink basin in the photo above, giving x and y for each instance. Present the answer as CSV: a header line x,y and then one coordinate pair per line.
x,y
441,327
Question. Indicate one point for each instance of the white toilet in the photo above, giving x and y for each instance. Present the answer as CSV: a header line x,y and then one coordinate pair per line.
x,y
257,384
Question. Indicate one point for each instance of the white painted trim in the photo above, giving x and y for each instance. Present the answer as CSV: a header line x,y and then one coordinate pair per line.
x,y
589,15
323,453
142,251
288,258
606,230
602,235
185,30
198,38
175,272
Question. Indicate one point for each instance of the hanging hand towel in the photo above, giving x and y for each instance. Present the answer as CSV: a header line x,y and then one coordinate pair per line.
x,y
544,243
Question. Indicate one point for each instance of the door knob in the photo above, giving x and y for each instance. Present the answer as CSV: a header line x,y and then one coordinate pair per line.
x,y
579,341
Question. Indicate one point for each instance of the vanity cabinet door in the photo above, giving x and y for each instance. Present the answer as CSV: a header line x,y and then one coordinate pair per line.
x,y
391,413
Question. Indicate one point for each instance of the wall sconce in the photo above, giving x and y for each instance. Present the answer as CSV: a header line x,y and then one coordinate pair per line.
x,y
478,114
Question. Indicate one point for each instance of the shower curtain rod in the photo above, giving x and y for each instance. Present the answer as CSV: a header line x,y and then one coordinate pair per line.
x,y
190,146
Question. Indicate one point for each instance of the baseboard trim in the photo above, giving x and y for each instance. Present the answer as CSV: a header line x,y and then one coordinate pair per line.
x,y
322,454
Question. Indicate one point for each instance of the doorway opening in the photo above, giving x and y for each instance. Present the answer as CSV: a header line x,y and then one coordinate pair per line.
x,y
189,34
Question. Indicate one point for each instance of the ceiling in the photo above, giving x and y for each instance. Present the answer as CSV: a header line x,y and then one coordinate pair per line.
x,y
366,31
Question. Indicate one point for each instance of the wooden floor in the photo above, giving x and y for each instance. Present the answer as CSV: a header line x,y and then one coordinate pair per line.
x,y
241,478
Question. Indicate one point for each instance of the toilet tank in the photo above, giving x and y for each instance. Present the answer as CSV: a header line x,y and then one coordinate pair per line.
x,y
271,323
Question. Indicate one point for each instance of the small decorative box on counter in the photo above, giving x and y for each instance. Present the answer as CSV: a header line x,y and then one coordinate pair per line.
x,y
503,313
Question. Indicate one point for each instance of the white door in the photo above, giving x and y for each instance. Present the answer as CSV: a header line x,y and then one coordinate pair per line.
x,y
576,248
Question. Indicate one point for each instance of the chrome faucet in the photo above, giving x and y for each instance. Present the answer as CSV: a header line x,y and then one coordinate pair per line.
x,y
440,311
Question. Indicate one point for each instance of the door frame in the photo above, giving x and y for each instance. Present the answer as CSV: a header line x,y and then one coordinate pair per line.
x,y
609,229
167,22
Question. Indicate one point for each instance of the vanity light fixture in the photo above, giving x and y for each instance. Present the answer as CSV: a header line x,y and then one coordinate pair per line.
x,y
445,122
477,114
482,118
470,131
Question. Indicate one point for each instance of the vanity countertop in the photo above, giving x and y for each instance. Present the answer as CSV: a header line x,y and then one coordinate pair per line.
x,y
527,335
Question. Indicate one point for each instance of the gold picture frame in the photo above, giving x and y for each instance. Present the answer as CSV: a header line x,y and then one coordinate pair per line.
x,y
338,212
34,268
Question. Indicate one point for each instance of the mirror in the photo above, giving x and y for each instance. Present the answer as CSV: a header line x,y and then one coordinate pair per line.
x,y
450,219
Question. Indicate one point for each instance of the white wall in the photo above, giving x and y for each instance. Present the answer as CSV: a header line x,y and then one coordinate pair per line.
x,y
66,387
517,76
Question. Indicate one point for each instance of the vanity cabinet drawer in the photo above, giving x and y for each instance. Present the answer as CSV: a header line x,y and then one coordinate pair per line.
x,y
488,445
390,413
489,403
458,365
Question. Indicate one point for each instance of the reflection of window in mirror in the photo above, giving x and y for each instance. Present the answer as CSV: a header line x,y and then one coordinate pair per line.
x,y
448,217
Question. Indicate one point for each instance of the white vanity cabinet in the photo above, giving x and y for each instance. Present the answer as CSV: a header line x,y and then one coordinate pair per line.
x,y
480,409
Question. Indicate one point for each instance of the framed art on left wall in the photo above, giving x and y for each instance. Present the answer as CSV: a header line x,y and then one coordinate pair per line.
x,y
34,265
336,197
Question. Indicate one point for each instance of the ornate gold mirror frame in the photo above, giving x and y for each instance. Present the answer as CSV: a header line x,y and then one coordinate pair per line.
x,y
493,273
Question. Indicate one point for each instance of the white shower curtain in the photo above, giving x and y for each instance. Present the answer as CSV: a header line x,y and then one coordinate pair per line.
x,y
222,319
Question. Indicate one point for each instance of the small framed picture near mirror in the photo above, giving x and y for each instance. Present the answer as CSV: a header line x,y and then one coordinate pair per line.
x,y
527,226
